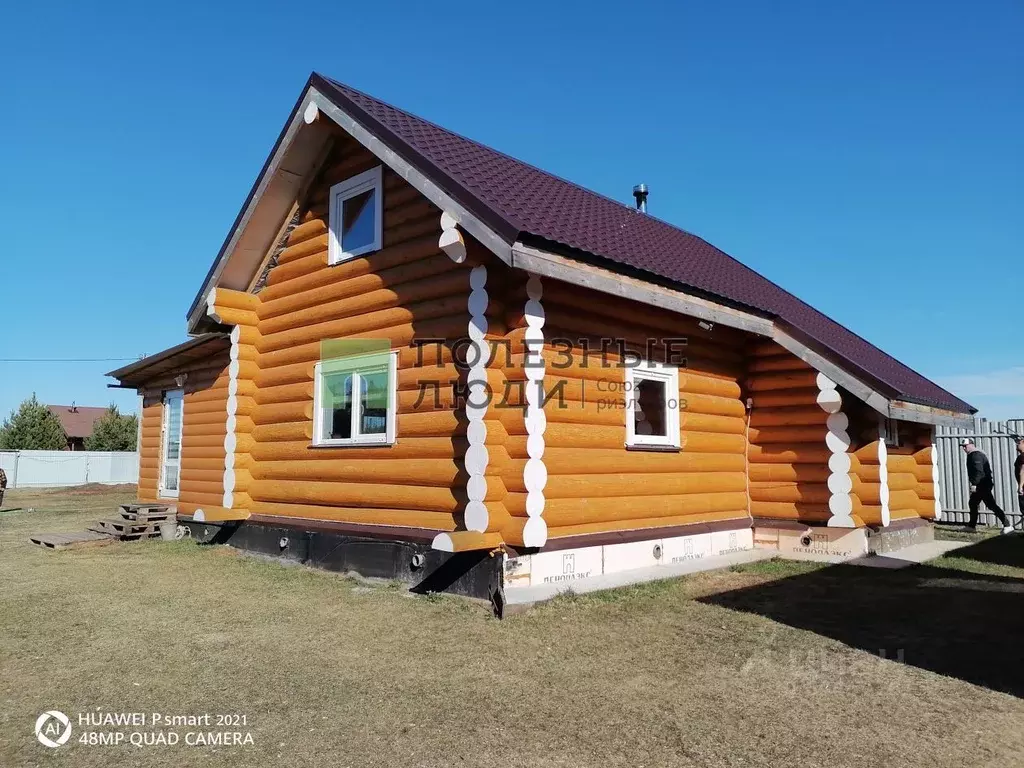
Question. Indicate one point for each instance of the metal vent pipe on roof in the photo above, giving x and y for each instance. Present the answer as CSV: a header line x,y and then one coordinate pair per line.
x,y
640,193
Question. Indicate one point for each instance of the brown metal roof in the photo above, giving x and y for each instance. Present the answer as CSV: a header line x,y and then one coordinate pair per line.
x,y
148,368
77,420
521,202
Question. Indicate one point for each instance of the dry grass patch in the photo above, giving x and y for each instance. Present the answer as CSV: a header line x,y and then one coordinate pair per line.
x,y
332,673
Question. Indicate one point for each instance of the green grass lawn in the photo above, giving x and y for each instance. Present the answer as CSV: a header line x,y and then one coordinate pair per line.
x,y
772,664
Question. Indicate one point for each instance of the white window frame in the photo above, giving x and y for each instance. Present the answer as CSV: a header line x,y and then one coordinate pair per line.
x,y
344,190
365,361
667,374
171,394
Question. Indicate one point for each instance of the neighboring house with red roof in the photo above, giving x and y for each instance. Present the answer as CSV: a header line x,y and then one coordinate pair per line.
x,y
412,339
77,422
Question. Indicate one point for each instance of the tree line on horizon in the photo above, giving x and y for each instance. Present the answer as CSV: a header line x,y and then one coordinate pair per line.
x,y
33,427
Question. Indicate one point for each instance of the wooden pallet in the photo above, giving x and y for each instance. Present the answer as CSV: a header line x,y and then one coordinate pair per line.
x,y
65,540
156,513
122,527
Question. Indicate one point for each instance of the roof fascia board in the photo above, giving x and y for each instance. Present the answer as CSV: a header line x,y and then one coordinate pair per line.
x,y
312,96
425,186
295,124
922,414
547,264
556,267
147,362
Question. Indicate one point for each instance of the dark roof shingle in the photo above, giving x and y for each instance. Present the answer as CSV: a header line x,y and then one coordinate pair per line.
x,y
518,200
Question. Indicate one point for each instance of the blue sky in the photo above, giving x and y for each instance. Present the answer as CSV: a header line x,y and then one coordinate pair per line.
x,y
868,155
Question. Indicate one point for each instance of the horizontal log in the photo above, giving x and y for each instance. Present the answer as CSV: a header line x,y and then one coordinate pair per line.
x,y
572,461
211,440
370,321
367,515
902,481
283,274
608,486
231,299
799,416
787,363
793,473
899,500
403,449
285,393
807,493
466,541
294,279
190,463
425,472
308,247
782,382
283,412
788,455
785,398
429,289
813,435
356,495
289,431
335,290
307,230
213,474
208,487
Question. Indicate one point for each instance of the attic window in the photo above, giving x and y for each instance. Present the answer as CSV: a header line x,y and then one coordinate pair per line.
x,y
356,216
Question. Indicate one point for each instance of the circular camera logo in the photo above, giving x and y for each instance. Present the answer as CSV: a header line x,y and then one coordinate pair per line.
x,y
53,729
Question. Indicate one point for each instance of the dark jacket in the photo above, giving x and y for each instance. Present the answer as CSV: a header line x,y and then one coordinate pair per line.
x,y
979,470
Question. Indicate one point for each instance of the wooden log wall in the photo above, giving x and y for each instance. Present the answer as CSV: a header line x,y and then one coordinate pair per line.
x,y
789,460
203,430
868,452
409,290
911,488
592,482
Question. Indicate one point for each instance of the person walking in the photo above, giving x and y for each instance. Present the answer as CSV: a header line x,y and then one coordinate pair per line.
x,y
3,485
981,479
1018,476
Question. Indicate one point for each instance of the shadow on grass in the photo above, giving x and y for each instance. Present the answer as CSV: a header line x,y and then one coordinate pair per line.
x,y
946,620
996,550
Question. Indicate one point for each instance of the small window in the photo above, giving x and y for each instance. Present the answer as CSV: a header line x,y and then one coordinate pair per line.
x,y
356,218
652,405
354,400
891,431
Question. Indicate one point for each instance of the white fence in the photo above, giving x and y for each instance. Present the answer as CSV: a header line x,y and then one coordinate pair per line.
x,y
995,438
41,469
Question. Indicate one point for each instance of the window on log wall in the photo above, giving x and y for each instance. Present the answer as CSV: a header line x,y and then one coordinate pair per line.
x,y
356,216
354,400
652,406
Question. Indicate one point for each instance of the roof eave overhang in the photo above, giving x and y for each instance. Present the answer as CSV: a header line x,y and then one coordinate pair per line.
x,y
558,267
290,164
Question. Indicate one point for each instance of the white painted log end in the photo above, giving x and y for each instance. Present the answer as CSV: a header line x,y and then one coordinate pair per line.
x,y
443,543
199,516
448,221
311,113
535,532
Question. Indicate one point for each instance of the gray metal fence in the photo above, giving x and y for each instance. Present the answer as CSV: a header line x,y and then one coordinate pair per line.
x,y
995,438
